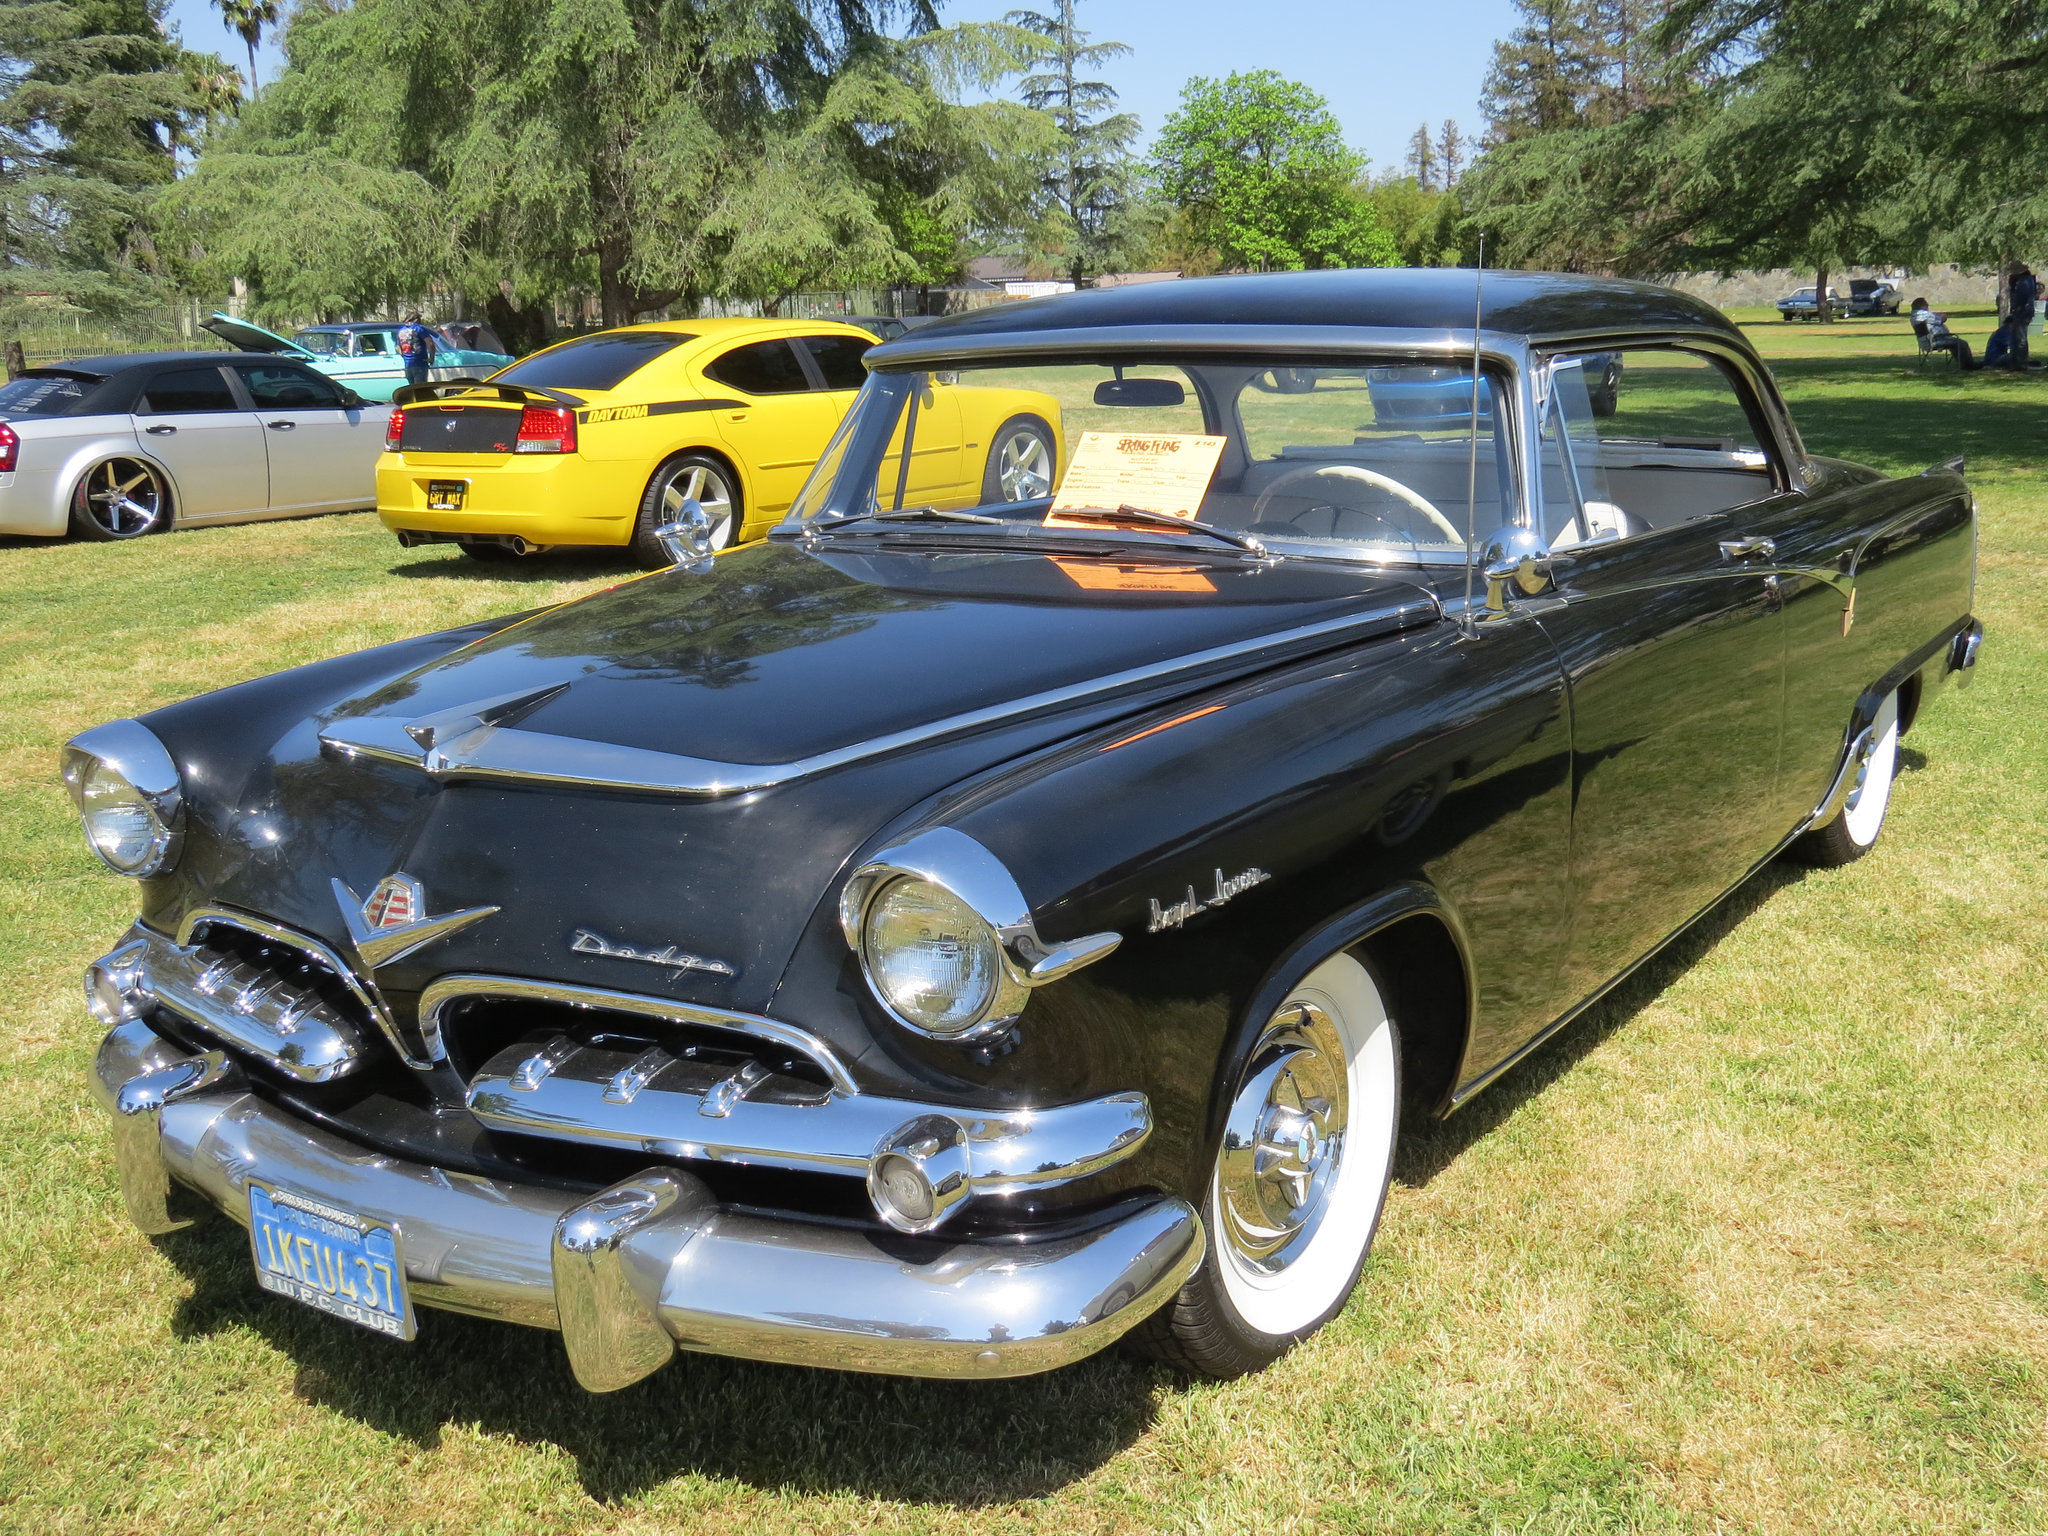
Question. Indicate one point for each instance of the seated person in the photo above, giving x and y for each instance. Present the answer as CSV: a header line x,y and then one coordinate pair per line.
x,y
1934,326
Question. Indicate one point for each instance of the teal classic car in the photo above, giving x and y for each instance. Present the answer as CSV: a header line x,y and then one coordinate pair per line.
x,y
363,354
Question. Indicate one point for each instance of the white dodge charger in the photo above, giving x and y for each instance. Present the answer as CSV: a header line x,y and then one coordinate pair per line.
x,y
118,447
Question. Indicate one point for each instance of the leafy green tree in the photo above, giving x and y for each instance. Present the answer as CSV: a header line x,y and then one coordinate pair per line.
x,y
1262,170
1092,170
95,104
652,151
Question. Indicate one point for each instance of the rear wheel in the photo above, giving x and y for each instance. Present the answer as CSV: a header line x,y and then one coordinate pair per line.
x,y
687,477
119,499
1854,831
1020,464
1298,1184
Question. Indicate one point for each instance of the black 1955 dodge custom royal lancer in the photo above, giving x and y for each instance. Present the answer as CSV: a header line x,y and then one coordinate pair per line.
x,y
956,933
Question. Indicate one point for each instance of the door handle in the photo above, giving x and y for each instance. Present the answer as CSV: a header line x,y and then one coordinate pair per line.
x,y
1742,549
161,429
282,426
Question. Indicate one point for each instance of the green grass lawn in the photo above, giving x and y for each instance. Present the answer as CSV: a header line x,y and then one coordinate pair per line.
x,y
1755,1247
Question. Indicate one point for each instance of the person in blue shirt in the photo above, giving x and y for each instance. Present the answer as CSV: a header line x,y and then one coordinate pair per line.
x,y
2008,345
416,346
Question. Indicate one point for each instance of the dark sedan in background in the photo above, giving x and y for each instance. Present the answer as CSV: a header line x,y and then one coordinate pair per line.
x,y
944,938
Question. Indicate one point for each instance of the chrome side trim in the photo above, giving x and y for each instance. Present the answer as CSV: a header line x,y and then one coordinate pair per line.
x,y
508,754
584,1094
250,1008
441,994
755,1287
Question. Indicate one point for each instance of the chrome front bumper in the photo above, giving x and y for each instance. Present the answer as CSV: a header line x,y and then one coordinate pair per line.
x,y
652,1264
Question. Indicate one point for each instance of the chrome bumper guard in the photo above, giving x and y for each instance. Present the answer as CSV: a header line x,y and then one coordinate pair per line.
x,y
652,1264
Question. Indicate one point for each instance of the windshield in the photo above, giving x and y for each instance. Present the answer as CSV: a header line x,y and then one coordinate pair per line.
x,y
1359,457
603,361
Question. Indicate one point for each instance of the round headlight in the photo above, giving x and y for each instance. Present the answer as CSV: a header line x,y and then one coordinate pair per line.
x,y
129,796
936,964
120,823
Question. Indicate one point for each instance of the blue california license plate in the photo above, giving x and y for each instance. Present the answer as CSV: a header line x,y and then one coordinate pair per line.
x,y
341,1263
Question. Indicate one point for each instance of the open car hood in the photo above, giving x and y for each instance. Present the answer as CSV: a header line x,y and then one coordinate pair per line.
x,y
249,336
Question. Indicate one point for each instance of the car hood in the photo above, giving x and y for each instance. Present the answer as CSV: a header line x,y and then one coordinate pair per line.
x,y
867,680
249,336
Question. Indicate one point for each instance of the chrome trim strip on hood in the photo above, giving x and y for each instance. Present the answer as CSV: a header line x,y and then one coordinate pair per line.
x,y
507,754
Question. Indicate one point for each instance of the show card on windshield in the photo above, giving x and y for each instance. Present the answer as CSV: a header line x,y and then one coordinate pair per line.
x,y
1157,471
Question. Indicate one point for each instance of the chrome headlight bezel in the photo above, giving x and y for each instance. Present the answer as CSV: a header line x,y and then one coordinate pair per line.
x,y
974,877
130,752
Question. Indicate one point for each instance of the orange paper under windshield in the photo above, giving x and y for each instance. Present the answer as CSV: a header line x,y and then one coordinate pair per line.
x,y
1157,471
1100,576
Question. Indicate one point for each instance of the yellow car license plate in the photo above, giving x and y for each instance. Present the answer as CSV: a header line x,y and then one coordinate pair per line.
x,y
446,495
343,1264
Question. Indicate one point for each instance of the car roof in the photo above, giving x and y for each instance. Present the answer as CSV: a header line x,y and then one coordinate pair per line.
x,y
1433,299
122,362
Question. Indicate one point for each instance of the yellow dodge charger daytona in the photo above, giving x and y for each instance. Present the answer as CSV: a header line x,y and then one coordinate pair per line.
x,y
599,440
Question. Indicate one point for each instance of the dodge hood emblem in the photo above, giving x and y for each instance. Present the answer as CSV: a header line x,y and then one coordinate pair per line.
x,y
393,922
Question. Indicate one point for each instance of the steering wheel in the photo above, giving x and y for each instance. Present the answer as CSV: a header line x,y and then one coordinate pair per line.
x,y
1370,477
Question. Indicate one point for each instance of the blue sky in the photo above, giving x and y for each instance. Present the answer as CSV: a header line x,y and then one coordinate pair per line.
x,y
1383,65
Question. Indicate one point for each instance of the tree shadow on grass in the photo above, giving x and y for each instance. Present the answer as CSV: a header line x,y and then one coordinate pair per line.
x,y
1427,1148
779,1428
1850,409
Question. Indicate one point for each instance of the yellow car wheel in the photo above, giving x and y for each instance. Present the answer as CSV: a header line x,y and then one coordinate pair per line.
x,y
1021,462
687,477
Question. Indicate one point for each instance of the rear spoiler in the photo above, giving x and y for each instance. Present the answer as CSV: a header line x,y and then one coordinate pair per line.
x,y
519,394
80,374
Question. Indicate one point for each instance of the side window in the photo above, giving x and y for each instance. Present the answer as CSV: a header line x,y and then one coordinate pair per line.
x,y
187,389
373,344
838,359
1644,439
761,368
275,386
325,343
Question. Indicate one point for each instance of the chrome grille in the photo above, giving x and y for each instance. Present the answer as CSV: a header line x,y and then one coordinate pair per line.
x,y
262,995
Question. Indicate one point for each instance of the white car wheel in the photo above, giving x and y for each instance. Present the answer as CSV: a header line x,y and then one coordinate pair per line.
x,y
1299,1180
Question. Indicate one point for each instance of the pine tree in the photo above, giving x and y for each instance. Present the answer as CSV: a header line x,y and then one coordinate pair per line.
x,y
95,103
1450,154
1422,157
1091,175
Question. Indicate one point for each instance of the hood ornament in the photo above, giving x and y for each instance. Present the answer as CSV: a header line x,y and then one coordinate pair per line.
x,y
393,921
584,942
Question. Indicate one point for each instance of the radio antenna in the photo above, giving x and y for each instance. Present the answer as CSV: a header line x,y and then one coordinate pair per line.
x,y
1472,456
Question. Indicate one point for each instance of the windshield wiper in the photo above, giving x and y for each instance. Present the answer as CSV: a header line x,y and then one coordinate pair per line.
x,y
905,515
1130,514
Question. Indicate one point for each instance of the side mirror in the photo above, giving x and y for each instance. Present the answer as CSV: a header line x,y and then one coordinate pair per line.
x,y
350,399
1519,560
687,540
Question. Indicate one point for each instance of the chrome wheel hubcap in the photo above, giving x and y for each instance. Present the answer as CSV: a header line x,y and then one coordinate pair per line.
x,y
123,497
708,489
1023,467
1284,1141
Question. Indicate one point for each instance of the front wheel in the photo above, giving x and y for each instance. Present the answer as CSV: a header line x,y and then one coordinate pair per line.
x,y
119,499
1855,829
1021,462
1298,1183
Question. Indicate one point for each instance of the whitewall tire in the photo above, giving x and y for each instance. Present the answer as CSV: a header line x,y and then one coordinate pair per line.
x,y
1299,1180
1855,828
